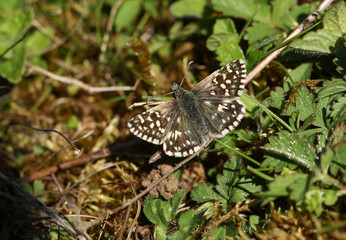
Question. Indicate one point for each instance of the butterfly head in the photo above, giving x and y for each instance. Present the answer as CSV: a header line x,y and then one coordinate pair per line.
x,y
177,89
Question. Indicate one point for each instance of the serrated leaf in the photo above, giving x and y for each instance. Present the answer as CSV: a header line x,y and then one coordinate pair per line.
x,y
313,201
291,148
280,9
259,31
299,74
331,88
225,229
294,185
157,211
325,40
187,222
244,9
229,174
204,192
176,201
243,189
38,41
193,8
339,110
229,51
277,98
14,27
303,102
126,14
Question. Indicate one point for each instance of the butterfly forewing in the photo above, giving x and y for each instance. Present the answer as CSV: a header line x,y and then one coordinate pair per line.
x,y
228,81
152,125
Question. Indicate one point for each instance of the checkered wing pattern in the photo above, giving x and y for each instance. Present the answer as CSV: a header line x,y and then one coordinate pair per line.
x,y
187,123
152,125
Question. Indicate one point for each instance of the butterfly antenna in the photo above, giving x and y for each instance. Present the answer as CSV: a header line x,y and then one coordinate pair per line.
x,y
187,69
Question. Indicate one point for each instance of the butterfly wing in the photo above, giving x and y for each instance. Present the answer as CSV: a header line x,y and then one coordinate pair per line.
x,y
152,125
222,114
184,138
228,81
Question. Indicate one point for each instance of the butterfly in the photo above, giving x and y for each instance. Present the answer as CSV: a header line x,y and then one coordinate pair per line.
x,y
193,118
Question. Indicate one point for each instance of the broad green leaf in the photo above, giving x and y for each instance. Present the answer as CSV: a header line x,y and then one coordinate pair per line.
x,y
194,8
280,9
226,179
14,27
176,201
126,14
253,221
157,211
302,102
12,67
299,74
331,88
187,222
277,98
229,51
330,197
339,110
313,201
259,31
38,41
294,185
243,189
227,228
325,40
204,192
244,9
288,148
224,26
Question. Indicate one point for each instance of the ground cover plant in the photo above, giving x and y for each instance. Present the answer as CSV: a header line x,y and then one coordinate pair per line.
x,y
70,70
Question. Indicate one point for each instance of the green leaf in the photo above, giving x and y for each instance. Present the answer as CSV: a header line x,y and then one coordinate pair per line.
x,y
303,102
253,221
157,211
243,189
289,147
188,222
38,41
277,98
330,197
176,201
13,67
205,192
244,9
280,9
299,74
325,40
225,181
193,8
331,88
227,228
228,51
294,185
259,31
14,27
313,201
339,110
126,14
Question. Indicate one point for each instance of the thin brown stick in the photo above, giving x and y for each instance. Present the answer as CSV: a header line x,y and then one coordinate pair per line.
x,y
74,81
305,24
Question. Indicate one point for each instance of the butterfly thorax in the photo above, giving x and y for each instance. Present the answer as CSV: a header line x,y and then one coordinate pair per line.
x,y
187,103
